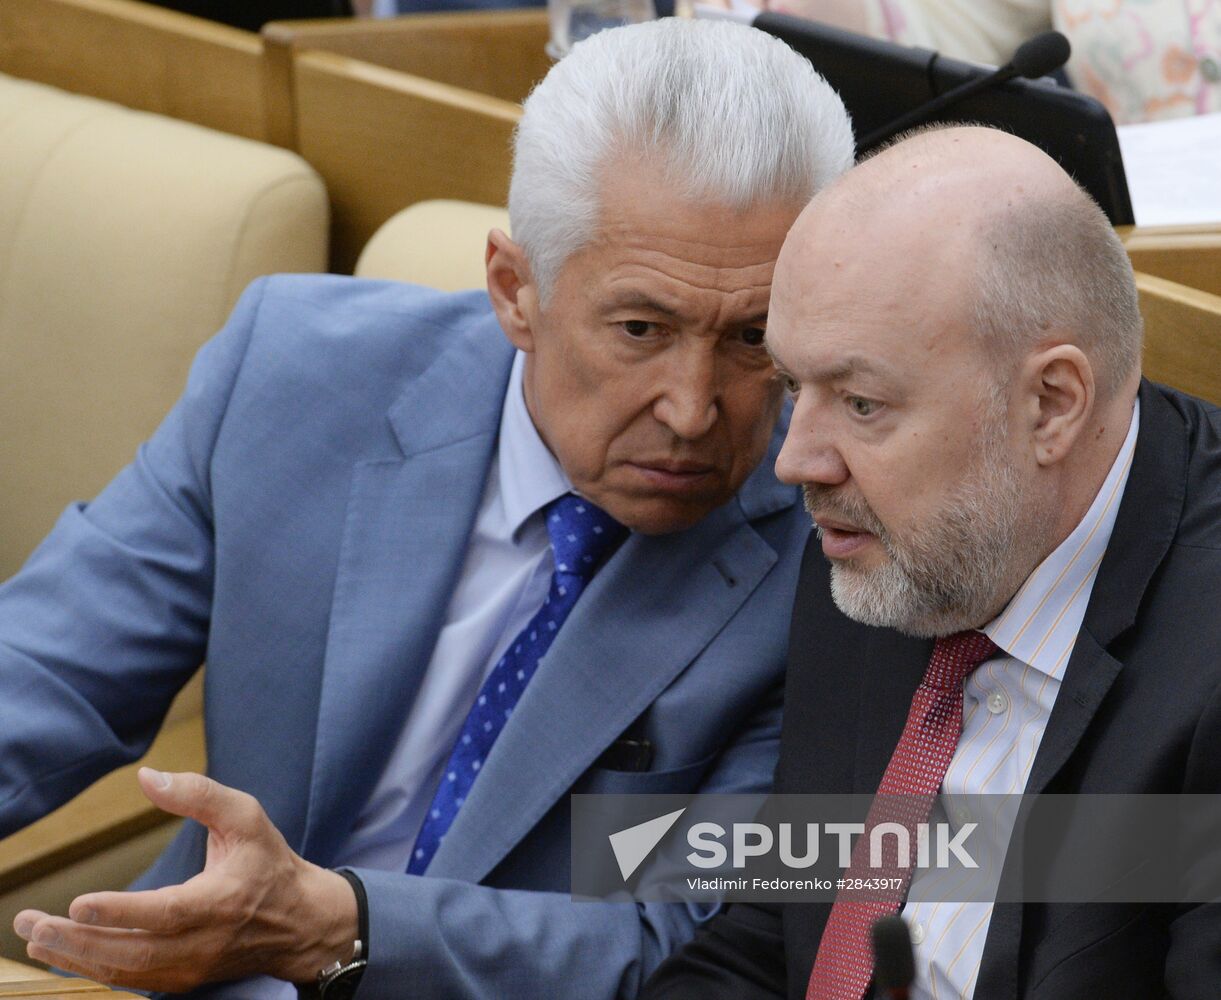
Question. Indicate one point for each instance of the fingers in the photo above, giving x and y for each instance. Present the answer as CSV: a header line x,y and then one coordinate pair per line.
x,y
237,917
112,955
171,910
23,923
200,798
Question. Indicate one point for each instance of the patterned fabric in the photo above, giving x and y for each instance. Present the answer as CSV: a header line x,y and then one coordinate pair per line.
x,y
582,537
1143,59
844,965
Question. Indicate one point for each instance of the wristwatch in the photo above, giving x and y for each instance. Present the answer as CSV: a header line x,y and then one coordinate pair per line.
x,y
338,981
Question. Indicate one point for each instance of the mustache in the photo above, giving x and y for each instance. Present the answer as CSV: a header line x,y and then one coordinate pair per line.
x,y
829,501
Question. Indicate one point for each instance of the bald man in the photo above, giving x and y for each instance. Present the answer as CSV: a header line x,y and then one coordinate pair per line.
x,y
1018,547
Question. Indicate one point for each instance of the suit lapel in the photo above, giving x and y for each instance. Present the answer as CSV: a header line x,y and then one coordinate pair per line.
x,y
1145,526
408,521
633,631
894,665
1090,673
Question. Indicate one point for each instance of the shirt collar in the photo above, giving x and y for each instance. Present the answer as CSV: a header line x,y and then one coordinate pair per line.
x,y
1039,625
530,476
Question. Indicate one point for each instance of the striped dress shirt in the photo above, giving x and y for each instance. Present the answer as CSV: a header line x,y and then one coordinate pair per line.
x,y
1007,703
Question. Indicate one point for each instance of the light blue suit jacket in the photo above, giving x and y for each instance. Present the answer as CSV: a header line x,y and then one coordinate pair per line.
x,y
299,521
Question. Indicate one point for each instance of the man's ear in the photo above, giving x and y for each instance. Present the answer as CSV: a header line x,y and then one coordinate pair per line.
x,y
511,288
1059,382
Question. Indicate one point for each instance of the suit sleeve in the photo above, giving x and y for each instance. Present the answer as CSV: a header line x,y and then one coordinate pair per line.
x,y
739,955
109,616
455,939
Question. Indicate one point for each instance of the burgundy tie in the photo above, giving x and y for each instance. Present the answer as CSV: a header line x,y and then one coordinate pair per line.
x,y
844,966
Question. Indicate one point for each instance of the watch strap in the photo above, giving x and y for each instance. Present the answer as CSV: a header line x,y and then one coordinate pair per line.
x,y
340,980
362,909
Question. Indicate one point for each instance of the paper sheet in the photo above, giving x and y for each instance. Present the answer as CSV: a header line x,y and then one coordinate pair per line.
x,y
1174,170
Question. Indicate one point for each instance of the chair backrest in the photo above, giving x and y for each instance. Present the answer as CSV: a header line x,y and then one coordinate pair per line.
x,y
140,56
384,140
1190,255
1182,336
125,239
435,243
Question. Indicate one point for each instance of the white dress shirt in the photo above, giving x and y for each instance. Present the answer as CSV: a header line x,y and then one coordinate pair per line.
x,y
504,579
1007,703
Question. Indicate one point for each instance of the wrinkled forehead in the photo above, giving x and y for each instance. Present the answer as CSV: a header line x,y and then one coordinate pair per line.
x,y
645,225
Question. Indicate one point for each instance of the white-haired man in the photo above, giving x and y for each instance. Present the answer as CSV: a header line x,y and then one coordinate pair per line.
x,y
1016,585
380,522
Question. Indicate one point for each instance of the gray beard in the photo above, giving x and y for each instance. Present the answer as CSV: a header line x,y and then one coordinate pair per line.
x,y
956,573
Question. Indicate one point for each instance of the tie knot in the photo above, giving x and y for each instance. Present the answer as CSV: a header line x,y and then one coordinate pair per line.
x,y
956,656
582,535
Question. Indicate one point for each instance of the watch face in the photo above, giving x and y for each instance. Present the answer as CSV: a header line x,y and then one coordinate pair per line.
x,y
342,985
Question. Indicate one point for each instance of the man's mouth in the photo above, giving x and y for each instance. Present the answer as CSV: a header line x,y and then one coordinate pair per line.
x,y
673,475
841,539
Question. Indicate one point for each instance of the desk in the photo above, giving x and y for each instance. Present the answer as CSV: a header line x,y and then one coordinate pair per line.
x,y
17,980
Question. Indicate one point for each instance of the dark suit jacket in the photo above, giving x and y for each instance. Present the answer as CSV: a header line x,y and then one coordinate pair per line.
x,y
1139,711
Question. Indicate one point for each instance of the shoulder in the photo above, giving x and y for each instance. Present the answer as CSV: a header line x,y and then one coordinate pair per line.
x,y
322,358
1200,525
325,334
319,310
1156,592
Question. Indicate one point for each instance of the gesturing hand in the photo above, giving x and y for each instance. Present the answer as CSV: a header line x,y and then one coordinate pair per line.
x,y
256,908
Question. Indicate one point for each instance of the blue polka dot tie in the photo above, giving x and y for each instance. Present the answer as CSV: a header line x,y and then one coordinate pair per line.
x,y
582,536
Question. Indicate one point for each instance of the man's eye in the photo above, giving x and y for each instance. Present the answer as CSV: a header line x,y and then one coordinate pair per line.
x,y
791,385
861,406
637,327
753,336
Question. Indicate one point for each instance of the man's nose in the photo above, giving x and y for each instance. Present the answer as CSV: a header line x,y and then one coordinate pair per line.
x,y
689,401
808,454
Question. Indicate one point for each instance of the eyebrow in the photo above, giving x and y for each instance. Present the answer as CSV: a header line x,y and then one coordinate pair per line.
x,y
638,300
645,303
851,366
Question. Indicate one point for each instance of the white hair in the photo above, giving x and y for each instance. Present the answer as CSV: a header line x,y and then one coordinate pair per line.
x,y
728,113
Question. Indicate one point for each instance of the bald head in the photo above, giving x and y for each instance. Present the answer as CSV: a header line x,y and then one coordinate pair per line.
x,y
958,323
966,173
1038,259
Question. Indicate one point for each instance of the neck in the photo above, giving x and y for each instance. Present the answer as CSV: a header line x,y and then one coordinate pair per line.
x,y
1077,481
1087,467
1064,501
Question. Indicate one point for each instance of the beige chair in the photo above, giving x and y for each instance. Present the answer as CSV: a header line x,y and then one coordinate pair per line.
x,y
437,243
1182,336
125,239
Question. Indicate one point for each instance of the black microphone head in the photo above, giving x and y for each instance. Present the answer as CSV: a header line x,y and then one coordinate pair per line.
x,y
894,967
1041,55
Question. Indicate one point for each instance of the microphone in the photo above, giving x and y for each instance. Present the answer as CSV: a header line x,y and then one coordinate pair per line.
x,y
1037,57
894,967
